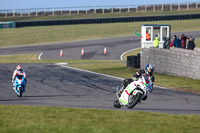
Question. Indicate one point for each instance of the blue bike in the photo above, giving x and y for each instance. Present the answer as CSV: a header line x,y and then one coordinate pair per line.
x,y
19,85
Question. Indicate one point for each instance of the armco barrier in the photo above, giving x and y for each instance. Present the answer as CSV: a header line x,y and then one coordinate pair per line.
x,y
106,20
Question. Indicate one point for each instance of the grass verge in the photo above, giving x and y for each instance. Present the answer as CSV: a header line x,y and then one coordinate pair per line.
x,y
55,34
23,119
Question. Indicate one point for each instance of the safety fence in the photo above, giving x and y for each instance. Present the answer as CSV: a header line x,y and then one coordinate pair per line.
x,y
106,20
97,10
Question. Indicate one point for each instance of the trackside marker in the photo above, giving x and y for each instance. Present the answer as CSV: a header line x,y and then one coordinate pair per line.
x,y
61,52
105,50
82,51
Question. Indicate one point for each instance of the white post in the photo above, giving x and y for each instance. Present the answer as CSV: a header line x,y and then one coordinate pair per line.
x,y
112,10
45,10
6,15
103,9
162,7
36,12
178,6
95,10
53,11
137,9
154,8
29,14
61,12
187,6
145,8
70,11
78,10
120,9
196,5
20,12
86,10
128,8
13,12
170,7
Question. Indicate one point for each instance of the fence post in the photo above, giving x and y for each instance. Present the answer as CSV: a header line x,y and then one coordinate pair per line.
x,y
86,10
178,6
112,10
145,8
6,15
196,5
95,10
162,7
128,8
170,7
154,8
78,10
29,14
137,9
61,11
120,9
36,12
103,9
69,10
13,12
187,6
53,11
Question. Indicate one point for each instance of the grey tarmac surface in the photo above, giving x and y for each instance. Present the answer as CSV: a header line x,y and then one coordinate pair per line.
x,y
93,49
51,85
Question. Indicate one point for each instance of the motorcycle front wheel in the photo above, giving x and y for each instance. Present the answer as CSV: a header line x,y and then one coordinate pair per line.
x,y
20,92
133,100
116,103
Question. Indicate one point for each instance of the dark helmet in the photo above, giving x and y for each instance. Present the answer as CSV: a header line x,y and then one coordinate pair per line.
x,y
149,68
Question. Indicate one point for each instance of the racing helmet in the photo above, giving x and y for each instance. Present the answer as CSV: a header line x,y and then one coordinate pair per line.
x,y
18,67
149,68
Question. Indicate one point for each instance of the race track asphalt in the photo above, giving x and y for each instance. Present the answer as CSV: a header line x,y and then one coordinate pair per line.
x,y
54,85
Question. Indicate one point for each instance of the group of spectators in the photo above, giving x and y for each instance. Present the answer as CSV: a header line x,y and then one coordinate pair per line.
x,y
181,42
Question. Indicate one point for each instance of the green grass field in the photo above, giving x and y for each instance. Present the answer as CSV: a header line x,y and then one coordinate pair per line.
x,y
19,119
29,119
64,33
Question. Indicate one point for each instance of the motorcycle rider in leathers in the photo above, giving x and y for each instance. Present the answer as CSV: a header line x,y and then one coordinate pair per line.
x,y
149,68
18,71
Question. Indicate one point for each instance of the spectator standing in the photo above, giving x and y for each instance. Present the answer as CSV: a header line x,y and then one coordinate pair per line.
x,y
183,41
156,42
171,43
176,42
191,44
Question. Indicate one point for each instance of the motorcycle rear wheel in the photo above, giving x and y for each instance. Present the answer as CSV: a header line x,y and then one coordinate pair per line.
x,y
116,103
134,101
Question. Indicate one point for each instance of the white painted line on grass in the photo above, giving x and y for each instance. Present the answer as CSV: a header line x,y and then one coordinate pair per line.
x,y
39,57
121,57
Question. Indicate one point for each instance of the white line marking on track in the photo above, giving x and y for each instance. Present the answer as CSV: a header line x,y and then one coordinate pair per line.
x,y
39,57
101,74
121,57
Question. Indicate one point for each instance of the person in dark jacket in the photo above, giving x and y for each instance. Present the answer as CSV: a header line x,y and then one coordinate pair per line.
x,y
183,41
191,44
176,42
